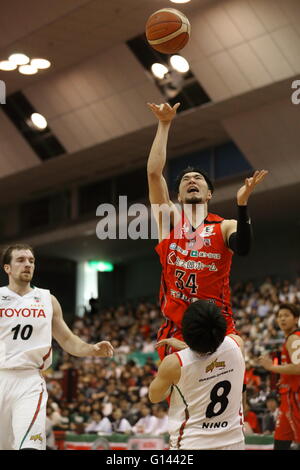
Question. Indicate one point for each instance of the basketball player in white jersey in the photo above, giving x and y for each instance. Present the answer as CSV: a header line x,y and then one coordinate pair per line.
x,y
29,317
204,382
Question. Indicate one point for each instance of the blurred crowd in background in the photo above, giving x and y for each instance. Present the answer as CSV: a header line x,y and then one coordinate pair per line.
x,y
105,396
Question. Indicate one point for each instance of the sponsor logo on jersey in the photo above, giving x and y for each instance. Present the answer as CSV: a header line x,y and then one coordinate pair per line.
x,y
37,299
189,264
22,312
208,231
37,437
203,254
172,257
215,364
5,297
173,246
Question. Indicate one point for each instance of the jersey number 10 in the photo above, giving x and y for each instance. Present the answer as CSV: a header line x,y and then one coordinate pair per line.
x,y
25,333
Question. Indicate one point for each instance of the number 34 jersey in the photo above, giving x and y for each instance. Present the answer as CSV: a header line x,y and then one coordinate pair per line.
x,y
195,265
25,329
206,404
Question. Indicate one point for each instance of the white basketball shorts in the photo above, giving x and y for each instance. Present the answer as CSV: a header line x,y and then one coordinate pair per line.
x,y
23,399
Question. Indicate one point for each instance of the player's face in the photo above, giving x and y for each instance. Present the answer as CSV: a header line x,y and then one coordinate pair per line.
x,y
286,321
21,267
193,189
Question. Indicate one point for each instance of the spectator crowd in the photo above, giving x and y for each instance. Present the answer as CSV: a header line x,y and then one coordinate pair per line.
x,y
111,395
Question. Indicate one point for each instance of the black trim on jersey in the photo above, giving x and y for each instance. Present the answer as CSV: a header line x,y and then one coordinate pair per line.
x,y
162,329
212,221
295,331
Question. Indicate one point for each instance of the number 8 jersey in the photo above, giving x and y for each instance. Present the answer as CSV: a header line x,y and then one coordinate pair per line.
x,y
25,329
206,404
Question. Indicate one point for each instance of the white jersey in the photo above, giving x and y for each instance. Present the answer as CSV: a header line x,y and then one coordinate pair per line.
x,y
25,329
206,404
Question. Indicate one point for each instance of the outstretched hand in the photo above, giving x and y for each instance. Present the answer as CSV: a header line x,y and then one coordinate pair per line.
x,y
103,349
244,192
164,112
171,342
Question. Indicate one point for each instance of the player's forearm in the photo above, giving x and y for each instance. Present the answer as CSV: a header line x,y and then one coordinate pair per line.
x,y
241,240
76,347
158,152
287,369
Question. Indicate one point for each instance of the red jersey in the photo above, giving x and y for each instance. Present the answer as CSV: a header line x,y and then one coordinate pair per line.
x,y
195,265
288,382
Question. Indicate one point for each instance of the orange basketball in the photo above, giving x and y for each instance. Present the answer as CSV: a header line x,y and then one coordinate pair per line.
x,y
168,30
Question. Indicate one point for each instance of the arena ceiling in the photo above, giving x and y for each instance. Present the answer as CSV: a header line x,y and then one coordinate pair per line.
x,y
69,31
246,70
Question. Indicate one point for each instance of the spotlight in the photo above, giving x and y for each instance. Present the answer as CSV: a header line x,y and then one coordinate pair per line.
x,y
159,70
179,63
40,63
38,121
19,59
7,65
27,70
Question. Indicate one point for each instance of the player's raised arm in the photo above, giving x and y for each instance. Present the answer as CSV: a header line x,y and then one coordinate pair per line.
x,y
158,191
238,234
71,343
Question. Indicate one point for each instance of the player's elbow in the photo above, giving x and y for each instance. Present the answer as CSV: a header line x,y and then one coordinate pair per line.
x,y
154,174
153,395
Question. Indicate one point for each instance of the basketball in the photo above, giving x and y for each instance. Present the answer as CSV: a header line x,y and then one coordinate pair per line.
x,y
168,30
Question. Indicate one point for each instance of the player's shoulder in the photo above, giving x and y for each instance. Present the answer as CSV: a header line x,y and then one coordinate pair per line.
x,y
293,336
172,361
40,290
237,339
212,218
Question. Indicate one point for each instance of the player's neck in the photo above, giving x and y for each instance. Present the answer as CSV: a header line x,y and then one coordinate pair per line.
x,y
196,213
19,288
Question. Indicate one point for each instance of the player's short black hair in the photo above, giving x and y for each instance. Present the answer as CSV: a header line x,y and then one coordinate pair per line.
x,y
192,169
203,327
7,252
291,307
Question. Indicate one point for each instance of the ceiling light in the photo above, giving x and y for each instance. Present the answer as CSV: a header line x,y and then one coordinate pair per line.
x,y
7,65
39,121
179,63
159,70
27,70
180,1
19,59
40,63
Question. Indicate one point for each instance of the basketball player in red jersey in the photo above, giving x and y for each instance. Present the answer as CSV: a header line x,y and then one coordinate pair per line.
x,y
288,421
196,249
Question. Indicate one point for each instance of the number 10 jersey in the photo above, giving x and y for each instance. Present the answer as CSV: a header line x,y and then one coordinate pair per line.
x,y
25,329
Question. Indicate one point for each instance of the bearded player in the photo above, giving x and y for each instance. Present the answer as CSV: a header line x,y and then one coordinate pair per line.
x,y
29,317
196,248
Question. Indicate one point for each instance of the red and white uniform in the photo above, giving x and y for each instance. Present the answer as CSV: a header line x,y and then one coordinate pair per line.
x,y
195,265
206,404
288,421
25,350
